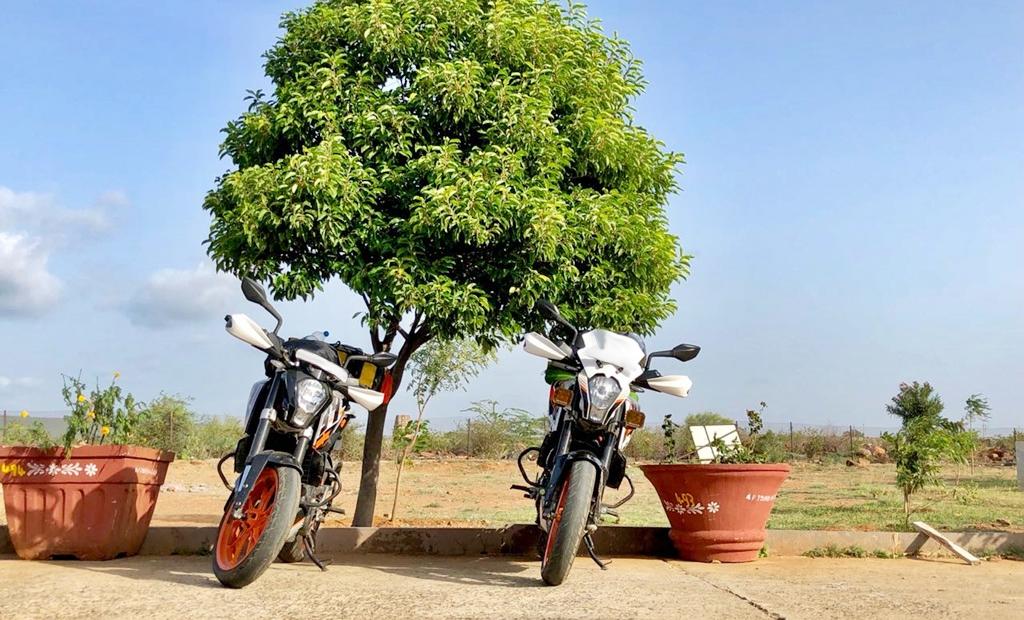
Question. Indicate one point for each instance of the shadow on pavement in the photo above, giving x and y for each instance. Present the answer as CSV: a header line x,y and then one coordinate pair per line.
x,y
486,571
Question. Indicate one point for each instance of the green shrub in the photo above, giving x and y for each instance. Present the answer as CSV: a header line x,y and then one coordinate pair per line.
x,y
213,437
168,423
22,434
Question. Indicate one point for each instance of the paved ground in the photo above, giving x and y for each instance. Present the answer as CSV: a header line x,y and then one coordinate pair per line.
x,y
427,587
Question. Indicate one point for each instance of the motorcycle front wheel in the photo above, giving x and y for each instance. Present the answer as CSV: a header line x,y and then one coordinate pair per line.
x,y
568,523
246,546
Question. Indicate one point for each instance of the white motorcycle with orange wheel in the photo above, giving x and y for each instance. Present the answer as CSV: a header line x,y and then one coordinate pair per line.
x,y
594,375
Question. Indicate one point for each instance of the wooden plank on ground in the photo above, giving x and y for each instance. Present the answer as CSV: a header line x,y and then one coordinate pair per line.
x,y
934,534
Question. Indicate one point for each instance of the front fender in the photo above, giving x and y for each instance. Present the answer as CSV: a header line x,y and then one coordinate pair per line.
x,y
561,468
254,466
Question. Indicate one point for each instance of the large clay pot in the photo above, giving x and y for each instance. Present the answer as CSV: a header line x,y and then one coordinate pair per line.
x,y
717,512
95,505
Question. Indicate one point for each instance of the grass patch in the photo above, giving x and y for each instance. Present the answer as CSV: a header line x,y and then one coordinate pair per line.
x,y
835,551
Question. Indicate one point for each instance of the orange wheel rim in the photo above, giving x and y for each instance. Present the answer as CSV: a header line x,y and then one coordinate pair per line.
x,y
236,538
556,519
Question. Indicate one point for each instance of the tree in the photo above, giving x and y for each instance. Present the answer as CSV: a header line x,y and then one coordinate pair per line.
x,y
439,366
923,441
452,162
915,400
975,408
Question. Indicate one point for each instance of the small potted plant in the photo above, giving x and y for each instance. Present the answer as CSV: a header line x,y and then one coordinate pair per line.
x,y
92,497
718,510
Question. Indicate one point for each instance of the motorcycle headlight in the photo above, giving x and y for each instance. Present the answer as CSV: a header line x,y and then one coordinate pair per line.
x,y
603,392
310,395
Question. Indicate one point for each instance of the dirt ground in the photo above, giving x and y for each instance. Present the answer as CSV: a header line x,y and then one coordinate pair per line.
x,y
461,492
429,587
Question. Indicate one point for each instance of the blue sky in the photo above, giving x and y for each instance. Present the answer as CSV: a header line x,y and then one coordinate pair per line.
x,y
853,198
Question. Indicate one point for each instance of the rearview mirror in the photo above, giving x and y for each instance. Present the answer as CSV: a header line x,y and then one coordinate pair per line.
x,y
549,310
685,352
682,352
381,360
253,291
257,295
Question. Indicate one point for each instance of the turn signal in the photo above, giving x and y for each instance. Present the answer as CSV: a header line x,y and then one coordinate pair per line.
x,y
561,396
635,418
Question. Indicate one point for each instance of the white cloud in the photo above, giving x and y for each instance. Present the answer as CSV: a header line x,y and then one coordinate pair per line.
x,y
17,382
27,287
32,226
178,296
113,198
41,213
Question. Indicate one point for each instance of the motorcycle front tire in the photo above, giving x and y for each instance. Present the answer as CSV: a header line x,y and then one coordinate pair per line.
x,y
568,523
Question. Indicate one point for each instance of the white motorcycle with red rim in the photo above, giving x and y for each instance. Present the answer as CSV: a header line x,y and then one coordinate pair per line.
x,y
592,414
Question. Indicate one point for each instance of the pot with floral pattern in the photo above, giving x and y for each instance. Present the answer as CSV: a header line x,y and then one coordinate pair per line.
x,y
95,504
718,512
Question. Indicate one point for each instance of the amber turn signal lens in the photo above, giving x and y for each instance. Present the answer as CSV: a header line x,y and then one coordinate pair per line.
x,y
561,396
635,418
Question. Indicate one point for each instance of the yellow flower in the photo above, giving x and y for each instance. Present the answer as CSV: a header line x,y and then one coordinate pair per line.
x,y
91,415
81,398
117,375
105,430
24,413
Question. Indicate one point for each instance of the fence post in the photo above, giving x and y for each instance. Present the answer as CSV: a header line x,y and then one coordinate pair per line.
x,y
792,439
469,439
851,439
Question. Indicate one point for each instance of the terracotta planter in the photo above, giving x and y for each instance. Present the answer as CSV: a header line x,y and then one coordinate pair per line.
x,y
95,505
717,512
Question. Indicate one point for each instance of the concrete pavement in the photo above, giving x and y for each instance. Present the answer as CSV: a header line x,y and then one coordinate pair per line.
x,y
379,586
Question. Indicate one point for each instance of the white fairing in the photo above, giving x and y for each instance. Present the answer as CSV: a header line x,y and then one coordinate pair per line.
x,y
249,331
676,385
602,348
536,344
369,399
323,364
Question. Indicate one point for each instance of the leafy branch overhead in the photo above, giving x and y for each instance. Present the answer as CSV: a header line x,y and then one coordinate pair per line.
x,y
452,161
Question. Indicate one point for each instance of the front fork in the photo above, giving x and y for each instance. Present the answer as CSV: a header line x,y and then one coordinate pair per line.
x,y
258,458
561,461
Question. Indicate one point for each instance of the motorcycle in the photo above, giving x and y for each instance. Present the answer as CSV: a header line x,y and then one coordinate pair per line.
x,y
592,413
286,477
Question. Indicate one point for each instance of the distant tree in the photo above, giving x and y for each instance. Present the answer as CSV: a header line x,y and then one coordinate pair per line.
x,y
452,162
707,418
976,408
438,366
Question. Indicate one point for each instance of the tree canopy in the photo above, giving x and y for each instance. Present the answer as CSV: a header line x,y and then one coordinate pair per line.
x,y
453,158
451,161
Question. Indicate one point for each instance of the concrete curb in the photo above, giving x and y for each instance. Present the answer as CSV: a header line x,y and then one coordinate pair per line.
x,y
611,540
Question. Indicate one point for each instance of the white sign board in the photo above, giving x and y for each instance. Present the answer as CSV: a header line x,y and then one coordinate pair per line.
x,y
1018,453
704,436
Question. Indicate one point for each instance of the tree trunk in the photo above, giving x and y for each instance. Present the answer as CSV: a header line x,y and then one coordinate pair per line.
x,y
367,499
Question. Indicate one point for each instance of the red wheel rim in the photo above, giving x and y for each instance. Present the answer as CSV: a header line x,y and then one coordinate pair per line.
x,y
556,519
238,537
